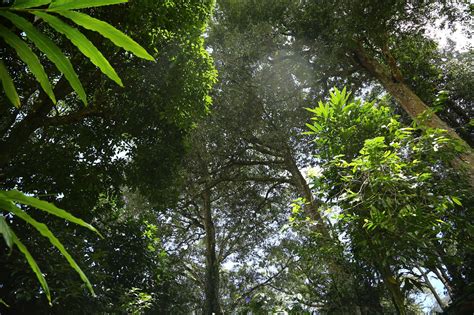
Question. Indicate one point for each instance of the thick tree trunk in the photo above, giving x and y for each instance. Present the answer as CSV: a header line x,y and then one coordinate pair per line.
x,y
212,304
392,81
20,134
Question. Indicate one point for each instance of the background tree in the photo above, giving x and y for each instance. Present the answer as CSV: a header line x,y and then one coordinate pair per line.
x,y
70,154
339,43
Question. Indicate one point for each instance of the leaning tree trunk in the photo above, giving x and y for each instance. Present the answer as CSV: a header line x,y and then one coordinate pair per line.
x,y
19,134
427,281
312,205
212,304
335,266
391,79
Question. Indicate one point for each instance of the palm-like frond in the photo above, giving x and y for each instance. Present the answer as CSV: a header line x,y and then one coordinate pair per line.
x,y
52,13
8,202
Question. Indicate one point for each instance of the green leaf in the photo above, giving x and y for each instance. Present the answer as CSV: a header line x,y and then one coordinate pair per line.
x,y
25,4
313,128
108,31
348,107
46,232
81,42
75,4
33,265
456,200
15,195
4,303
8,86
51,51
28,57
6,232
312,110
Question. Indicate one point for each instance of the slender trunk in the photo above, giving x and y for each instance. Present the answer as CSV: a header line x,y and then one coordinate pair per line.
x,y
453,277
392,81
312,205
432,289
212,305
393,287
442,277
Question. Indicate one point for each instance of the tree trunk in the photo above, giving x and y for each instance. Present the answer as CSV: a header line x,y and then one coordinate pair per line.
x,y
412,104
212,305
441,304
439,274
393,287
311,207
454,278
20,134
335,262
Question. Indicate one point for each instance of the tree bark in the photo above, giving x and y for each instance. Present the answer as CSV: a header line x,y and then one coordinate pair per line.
x,y
441,304
20,134
312,205
393,287
454,278
392,81
442,278
212,303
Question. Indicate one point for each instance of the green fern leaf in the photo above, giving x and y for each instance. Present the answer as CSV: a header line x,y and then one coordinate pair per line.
x,y
74,4
16,196
46,232
6,232
26,4
34,266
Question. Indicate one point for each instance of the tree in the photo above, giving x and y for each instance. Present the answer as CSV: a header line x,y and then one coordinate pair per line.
x,y
38,129
48,47
262,95
386,187
358,41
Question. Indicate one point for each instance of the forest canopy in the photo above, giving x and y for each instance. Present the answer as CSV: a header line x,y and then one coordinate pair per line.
x,y
236,157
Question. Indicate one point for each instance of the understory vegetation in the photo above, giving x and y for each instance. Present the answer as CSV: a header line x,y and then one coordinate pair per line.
x,y
236,157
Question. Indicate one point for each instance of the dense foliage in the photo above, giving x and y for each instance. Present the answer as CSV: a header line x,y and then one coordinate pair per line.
x,y
321,160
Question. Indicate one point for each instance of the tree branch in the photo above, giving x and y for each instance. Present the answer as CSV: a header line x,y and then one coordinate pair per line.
x,y
74,117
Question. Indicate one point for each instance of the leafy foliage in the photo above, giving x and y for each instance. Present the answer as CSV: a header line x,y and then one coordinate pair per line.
x,y
47,46
382,182
52,51
139,120
7,202
194,204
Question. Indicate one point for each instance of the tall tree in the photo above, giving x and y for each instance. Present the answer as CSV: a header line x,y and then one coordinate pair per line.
x,y
73,154
357,39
